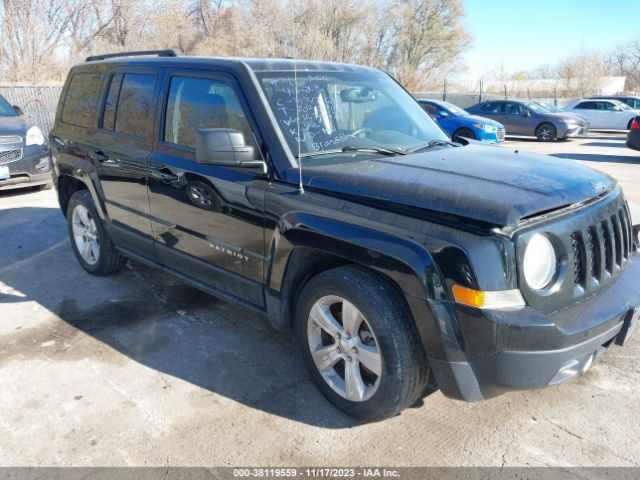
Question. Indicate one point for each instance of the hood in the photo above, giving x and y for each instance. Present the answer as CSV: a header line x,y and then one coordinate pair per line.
x,y
13,126
478,119
488,184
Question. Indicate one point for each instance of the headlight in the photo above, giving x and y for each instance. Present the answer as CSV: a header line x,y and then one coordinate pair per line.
x,y
486,128
540,263
34,137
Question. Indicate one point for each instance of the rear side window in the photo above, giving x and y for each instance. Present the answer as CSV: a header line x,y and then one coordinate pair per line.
x,y
129,103
81,100
586,106
493,107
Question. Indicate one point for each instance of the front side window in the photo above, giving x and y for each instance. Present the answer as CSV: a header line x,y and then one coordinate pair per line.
x,y
6,110
513,108
82,99
328,111
196,103
431,109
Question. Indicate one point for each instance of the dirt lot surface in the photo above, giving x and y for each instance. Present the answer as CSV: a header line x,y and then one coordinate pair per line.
x,y
138,369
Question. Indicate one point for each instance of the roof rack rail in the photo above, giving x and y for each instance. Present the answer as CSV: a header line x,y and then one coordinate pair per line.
x,y
159,53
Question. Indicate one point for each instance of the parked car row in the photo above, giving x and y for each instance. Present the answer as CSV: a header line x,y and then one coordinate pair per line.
x,y
491,121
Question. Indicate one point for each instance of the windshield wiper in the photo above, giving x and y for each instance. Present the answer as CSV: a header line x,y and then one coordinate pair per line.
x,y
434,143
383,150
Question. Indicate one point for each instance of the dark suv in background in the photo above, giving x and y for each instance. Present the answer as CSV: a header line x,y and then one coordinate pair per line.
x,y
24,153
322,196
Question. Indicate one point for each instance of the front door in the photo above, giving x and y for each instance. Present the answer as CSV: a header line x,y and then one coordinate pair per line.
x,y
125,138
207,220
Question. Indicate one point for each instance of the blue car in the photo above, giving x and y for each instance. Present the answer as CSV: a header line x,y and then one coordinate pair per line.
x,y
457,122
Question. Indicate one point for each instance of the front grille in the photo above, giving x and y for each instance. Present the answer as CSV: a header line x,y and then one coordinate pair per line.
x,y
600,250
10,155
4,139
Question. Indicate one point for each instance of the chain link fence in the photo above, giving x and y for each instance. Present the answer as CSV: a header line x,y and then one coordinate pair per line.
x,y
38,102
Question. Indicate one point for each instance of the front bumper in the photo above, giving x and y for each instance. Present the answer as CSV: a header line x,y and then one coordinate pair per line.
x,y
575,131
31,169
490,352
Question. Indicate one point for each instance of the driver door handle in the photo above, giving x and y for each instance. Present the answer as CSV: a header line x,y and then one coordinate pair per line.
x,y
165,175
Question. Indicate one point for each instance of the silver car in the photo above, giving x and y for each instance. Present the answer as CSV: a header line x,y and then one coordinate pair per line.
x,y
521,117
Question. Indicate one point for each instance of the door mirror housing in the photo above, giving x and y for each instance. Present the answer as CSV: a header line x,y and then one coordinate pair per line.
x,y
18,110
225,147
526,113
443,113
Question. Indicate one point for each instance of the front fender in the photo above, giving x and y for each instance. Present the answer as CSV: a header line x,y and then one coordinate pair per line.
x,y
406,262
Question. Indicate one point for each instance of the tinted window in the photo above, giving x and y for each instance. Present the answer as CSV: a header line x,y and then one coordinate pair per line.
x,y
135,102
109,117
512,108
82,99
6,110
586,106
431,109
493,107
606,106
196,103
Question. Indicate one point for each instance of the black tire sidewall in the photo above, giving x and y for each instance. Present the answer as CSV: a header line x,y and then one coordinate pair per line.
x,y
464,130
384,312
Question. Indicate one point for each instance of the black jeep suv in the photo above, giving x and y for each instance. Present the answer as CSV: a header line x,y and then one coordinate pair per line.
x,y
322,196
24,153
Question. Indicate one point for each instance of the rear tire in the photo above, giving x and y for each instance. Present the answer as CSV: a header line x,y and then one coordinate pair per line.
x,y
368,362
464,133
89,239
546,132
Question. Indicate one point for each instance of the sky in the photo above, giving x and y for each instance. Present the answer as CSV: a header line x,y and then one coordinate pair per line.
x,y
523,34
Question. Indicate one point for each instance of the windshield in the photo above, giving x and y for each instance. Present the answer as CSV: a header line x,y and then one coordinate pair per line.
x,y
346,109
622,105
457,111
536,107
6,110
550,107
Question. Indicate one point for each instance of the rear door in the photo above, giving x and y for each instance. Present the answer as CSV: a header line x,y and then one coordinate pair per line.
x,y
589,109
207,219
125,138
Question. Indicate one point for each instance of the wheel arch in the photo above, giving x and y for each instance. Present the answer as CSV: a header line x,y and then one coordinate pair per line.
x,y
312,247
67,186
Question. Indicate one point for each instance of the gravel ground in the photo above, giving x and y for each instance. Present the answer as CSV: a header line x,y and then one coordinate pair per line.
x,y
138,369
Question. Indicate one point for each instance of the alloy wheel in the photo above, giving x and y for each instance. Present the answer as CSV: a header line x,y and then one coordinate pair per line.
x,y
85,234
344,348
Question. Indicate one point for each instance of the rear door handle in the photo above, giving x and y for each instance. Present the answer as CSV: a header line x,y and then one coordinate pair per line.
x,y
165,175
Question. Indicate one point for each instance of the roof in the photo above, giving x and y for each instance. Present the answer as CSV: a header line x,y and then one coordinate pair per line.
x,y
256,64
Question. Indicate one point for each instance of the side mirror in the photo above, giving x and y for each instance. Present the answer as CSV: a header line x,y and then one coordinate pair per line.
x,y
225,147
526,113
18,110
443,113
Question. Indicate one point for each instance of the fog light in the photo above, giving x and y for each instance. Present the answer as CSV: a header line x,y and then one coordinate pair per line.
x,y
43,164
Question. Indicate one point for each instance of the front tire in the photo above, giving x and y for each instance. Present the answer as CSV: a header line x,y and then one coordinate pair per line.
x,y
464,133
89,239
360,343
545,132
